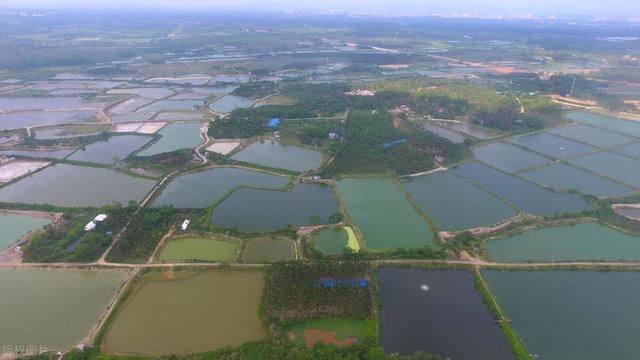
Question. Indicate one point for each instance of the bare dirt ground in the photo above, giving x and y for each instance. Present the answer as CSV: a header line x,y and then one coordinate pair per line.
x,y
312,336
223,147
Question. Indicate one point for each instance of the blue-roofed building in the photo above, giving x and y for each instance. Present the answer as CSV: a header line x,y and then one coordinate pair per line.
x,y
274,122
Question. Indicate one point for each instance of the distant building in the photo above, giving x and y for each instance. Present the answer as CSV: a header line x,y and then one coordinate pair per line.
x,y
394,143
90,226
360,92
100,217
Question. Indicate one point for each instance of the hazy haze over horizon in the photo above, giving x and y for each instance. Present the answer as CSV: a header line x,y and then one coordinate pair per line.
x,y
506,7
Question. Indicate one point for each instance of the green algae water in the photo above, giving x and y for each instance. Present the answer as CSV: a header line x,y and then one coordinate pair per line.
x,y
384,215
183,312
198,248
587,241
331,241
53,308
265,250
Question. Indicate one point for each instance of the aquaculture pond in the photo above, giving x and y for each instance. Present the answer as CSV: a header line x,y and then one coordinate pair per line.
x,y
564,315
632,150
53,308
455,204
276,155
34,118
174,137
565,177
14,226
228,103
592,135
269,210
629,212
551,145
438,312
203,189
385,217
69,131
199,249
51,154
442,132
610,164
151,93
188,312
331,240
525,195
507,157
266,250
130,117
586,241
613,123
48,103
166,105
70,185
112,150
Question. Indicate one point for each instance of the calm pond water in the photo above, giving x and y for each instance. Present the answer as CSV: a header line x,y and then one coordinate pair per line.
x,y
130,117
268,210
266,250
592,135
41,103
607,122
198,248
276,155
165,105
507,157
587,241
331,240
182,312
151,93
53,308
33,118
632,150
110,151
438,312
442,132
205,188
13,227
566,315
527,196
564,177
455,204
630,212
553,146
610,164
70,185
228,103
384,215
49,154
182,115
174,137
69,131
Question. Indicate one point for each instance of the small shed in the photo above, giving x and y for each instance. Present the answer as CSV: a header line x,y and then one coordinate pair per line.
x,y
185,225
90,226
274,122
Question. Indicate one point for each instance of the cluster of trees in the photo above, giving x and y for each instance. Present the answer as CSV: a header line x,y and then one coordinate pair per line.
x,y
362,149
301,289
71,243
165,161
142,235
255,90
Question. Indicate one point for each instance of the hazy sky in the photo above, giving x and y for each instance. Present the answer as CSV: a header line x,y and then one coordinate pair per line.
x,y
592,7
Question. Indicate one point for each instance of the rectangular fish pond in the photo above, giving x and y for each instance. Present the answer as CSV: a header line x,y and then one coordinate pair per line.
x,y
174,137
438,312
187,312
618,124
383,214
565,315
14,226
525,195
268,210
618,167
508,158
585,241
195,248
53,308
455,204
110,151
